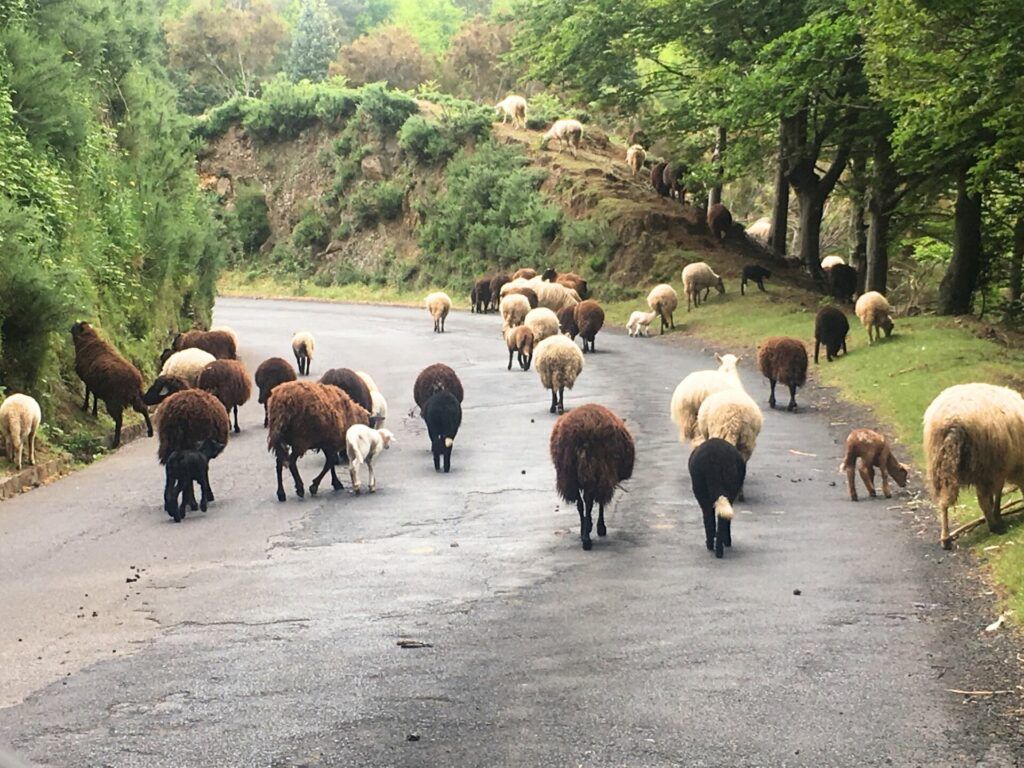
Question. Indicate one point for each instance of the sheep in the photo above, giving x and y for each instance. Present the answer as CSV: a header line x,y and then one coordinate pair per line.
x,y
830,329
514,309
842,282
229,331
554,296
974,435
783,359
364,444
438,305
572,281
368,381
873,450
639,323
520,341
542,322
270,373
589,318
379,409
350,382
442,413
658,179
695,388
495,290
524,274
228,381
567,322
672,175
567,132
108,376
528,293
480,296
593,453
187,417
220,344
635,157
760,230
307,416
512,106
20,417
699,277
558,362
303,345
436,378
732,415
663,301
755,274
831,261
719,221
873,312
187,364
717,472
185,467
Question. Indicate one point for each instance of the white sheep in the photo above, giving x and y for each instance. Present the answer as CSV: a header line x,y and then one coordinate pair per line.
x,y
439,305
554,296
831,261
567,132
558,362
20,417
692,391
639,323
732,415
378,409
873,312
760,230
303,345
513,310
512,106
542,322
363,445
974,435
635,157
663,300
368,381
187,364
699,277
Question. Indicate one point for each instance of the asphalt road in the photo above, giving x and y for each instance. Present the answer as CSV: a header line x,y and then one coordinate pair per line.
x,y
266,634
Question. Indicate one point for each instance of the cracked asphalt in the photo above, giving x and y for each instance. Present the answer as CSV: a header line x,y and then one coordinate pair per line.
x,y
267,634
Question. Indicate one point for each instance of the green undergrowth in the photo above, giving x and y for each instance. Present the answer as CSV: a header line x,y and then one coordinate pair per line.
x,y
236,283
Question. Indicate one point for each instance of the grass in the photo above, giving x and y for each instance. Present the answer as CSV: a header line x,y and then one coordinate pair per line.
x,y
234,283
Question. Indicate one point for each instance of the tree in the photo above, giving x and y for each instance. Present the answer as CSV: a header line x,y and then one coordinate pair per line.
x,y
432,22
314,45
388,54
474,65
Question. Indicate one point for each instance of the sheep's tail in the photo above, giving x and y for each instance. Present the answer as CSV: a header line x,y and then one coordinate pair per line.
x,y
13,430
723,509
945,464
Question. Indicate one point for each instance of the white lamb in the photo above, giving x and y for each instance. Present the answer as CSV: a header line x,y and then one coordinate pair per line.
x,y
20,417
733,416
187,364
512,106
567,132
639,323
379,409
696,388
364,444
542,322
699,277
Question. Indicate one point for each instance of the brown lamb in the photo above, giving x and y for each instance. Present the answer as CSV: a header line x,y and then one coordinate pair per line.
x,y
272,372
435,378
873,450
352,384
220,344
783,360
228,381
520,340
589,319
189,417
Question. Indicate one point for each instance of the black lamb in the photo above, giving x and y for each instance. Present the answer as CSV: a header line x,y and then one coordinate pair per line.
x,y
185,467
755,273
443,416
717,471
830,329
842,282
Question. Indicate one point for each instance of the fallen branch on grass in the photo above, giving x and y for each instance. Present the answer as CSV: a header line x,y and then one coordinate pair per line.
x,y
1008,511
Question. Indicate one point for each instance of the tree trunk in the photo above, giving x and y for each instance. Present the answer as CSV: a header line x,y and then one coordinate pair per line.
x,y
961,278
812,208
715,194
780,211
877,245
1016,270
859,252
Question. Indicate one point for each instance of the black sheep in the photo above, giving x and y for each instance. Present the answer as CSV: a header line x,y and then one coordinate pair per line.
x,y
480,296
185,467
442,414
842,282
830,329
717,471
658,179
755,273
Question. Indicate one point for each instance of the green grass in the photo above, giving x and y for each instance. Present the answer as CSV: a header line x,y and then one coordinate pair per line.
x,y
233,283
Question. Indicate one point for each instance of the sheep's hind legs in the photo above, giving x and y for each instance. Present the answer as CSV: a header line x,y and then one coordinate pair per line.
x,y
237,430
792,398
328,467
771,397
293,467
601,529
867,474
585,523
989,500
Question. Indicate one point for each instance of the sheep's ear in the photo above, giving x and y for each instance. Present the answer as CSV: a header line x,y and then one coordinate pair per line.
x,y
718,357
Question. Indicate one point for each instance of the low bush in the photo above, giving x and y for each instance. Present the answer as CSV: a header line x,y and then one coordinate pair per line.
x,y
252,222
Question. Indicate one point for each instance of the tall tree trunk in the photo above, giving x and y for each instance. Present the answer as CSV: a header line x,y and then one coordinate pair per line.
x,y
1016,270
961,278
858,228
780,209
715,194
877,245
811,193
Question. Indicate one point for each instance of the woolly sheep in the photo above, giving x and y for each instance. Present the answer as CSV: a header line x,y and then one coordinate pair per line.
x,y
635,157
528,293
842,282
436,378
442,414
719,221
593,453
187,364
553,296
831,261
480,296
570,280
378,409
717,472
873,311
187,417
567,132
658,179
873,450
783,359
760,230
567,322
514,309
695,388
363,445
589,319
699,277
495,289
220,344
732,415
663,300
639,323
512,106
349,382
303,345
184,468
974,435
20,417
542,322
368,381
228,381
269,374
520,341
438,305
229,331
525,273
754,273
558,362
673,175
830,328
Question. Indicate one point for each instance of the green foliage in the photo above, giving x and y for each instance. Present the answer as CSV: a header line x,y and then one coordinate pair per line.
x,y
311,231
217,120
313,43
251,217
545,108
387,109
432,22
372,203
434,143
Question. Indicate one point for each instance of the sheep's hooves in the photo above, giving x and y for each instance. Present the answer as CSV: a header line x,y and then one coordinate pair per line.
x,y
587,544
719,554
373,489
300,493
601,530
237,430
312,490
792,407
280,496
710,545
202,506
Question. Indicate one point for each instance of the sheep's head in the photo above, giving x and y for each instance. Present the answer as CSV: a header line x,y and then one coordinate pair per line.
x,y
549,274
387,436
899,473
727,363
162,388
81,328
887,326
210,448
720,286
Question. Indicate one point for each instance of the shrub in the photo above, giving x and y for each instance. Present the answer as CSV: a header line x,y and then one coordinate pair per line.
x,y
545,108
388,110
424,141
284,111
217,120
372,203
311,231
251,217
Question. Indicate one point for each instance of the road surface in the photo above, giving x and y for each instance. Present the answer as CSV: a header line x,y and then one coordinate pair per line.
x,y
267,634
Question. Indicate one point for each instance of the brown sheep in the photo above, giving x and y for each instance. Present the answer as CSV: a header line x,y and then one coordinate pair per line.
x,y
435,378
593,453
589,318
109,377
783,359
567,321
658,179
873,450
496,283
520,340
529,293
671,176
305,416
719,221
525,273
352,384
220,344
228,381
187,417
480,296
271,372
574,282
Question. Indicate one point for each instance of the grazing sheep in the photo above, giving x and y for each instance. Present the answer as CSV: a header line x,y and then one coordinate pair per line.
x,y
519,341
635,157
831,261
830,329
480,296
719,221
363,445
307,416
220,344
589,319
108,376
185,467
639,323
873,450
512,106
229,331
436,378
228,381
699,277
271,372
302,347
717,472
873,312
528,293
542,322
673,175
567,322
20,417
658,179
186,418
567,132
593,453
524,274
755,274
760,230
558,362
187,364
732,415
442,413
495,290
352,384
514,309
842,282
694,390
438,305
783,359
663,301
974,435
